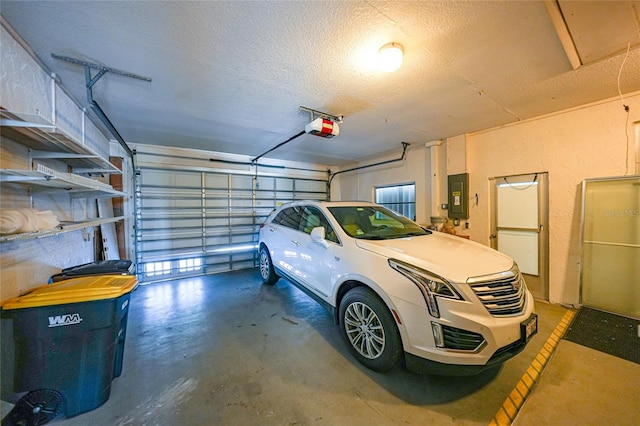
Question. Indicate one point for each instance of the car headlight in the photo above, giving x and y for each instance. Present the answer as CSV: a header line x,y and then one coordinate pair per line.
x,y
430,285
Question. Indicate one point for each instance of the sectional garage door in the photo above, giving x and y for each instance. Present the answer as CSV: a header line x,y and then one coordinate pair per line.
x,y
194,222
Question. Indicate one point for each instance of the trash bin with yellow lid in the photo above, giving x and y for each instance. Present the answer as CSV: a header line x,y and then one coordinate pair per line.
x,y
69,338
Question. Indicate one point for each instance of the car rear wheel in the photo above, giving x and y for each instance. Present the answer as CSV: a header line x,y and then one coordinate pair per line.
x,y
369,330
267,272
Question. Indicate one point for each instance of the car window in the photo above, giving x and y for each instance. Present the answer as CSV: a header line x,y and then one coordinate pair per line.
x,y
312,217
289,217
375,223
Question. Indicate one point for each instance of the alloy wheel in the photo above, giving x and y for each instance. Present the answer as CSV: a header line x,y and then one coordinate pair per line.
x,y
364,330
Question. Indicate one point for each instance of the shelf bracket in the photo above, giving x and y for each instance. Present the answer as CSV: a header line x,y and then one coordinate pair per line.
x,y
102,70
100,67
319,114
90,81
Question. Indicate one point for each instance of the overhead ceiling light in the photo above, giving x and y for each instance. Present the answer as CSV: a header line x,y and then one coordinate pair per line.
x,y
390,57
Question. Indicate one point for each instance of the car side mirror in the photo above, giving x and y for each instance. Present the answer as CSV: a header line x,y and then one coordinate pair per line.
x,y
318,236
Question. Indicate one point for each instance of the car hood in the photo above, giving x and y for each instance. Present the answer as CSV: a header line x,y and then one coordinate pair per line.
x,y
451,257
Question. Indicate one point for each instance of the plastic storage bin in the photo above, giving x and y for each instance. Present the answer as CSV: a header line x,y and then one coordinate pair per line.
x,y
101,267
69,338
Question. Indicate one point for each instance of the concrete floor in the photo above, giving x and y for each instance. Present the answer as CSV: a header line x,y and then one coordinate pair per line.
x,y
226,350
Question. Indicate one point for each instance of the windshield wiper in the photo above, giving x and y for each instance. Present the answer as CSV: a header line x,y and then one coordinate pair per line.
x,y
416,233
370,237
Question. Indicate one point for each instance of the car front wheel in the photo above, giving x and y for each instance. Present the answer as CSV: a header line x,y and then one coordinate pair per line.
x,y
267,273
369,330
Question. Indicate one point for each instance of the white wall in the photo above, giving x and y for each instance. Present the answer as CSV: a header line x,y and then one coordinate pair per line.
x,y
31,93
596,140
29,263
359,185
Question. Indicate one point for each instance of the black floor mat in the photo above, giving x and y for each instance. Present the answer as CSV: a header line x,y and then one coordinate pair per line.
x,y
609,333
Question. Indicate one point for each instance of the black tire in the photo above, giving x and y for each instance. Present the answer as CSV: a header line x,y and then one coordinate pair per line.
x,y
267,273
369,330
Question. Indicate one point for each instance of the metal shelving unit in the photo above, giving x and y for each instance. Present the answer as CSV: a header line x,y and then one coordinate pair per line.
x,y
44,179
53,129
62,228
46,141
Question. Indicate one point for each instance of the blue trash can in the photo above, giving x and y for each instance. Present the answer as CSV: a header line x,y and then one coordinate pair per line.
x,y
69,338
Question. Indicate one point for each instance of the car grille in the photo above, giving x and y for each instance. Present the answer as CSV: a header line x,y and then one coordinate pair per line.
x,y
503,297
462,340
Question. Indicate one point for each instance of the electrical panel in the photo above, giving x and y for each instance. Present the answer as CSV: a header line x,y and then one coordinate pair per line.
x,y
458,190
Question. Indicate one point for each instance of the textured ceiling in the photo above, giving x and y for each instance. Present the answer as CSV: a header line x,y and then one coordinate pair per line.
x,y
231,76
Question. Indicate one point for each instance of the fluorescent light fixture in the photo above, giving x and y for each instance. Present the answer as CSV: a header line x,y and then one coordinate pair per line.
x,y
517,184
390,57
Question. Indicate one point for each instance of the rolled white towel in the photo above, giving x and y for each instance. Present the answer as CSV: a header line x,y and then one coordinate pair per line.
x,y
10,221
46,220
26,220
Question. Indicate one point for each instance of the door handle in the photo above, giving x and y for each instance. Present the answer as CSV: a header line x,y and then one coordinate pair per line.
x,y
295,243
272,229
492,236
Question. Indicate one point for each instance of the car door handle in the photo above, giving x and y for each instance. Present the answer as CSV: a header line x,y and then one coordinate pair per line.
x,y
295,243
272,229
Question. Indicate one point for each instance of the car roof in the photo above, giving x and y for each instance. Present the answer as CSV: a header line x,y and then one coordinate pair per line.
x,y
328,203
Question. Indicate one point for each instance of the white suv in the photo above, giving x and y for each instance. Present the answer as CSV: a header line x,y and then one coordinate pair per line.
x,y
440,303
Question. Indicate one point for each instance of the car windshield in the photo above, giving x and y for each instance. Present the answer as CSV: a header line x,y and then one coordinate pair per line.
x,y
375,223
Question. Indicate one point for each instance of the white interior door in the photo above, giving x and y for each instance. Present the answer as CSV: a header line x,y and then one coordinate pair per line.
x,y
519,225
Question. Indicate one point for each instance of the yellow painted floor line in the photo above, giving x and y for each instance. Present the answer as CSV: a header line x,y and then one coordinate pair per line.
x,y
507,413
